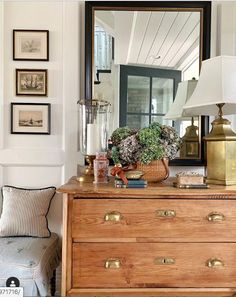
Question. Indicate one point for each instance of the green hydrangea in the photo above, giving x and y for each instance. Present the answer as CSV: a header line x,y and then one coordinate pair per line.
x,y
115,155
147,144
156,126
150,153
121,133
148,136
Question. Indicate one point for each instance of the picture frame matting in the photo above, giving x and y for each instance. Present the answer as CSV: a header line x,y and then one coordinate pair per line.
x,y
31,82
30,118
30,45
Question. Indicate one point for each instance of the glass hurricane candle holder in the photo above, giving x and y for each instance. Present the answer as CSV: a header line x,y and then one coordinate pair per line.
x,y
93,131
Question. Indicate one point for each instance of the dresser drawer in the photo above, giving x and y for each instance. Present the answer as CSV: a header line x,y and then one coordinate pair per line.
x,y
157,219
118,265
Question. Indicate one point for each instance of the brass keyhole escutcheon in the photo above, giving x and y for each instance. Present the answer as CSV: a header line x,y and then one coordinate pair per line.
x,y
165,213
164,261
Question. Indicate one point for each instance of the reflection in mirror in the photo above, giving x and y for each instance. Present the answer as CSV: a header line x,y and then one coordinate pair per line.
x,y
153,88
139,58
139,101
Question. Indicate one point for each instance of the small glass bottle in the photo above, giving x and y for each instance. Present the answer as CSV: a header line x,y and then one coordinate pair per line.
x,y
101,164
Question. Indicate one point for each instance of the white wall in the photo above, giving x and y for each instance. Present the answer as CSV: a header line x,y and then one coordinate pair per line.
x,y
226,35
41,160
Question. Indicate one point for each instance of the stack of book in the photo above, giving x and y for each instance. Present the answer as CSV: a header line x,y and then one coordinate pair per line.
x,y
132,183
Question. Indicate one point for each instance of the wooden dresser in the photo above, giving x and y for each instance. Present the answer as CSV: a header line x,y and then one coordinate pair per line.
x,y
158,241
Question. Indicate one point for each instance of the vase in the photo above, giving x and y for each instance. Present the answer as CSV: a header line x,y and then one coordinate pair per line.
x,y
156,171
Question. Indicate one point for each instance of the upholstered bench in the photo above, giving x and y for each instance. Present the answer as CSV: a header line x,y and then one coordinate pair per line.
x,y
31,260
28,250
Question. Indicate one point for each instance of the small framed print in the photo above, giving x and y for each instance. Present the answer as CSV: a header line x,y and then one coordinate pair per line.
x,y
31,82
30,118
31,45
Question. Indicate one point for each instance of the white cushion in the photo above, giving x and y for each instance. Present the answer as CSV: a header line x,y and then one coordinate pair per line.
x,y
24,211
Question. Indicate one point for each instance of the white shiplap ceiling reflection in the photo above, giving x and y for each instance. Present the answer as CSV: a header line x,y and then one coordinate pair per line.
x,y
166,39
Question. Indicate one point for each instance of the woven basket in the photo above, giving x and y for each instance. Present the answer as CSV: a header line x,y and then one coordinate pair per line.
x,y
156,171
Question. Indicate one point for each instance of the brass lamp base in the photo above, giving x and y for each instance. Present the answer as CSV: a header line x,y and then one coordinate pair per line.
x,y
88,175
221,153
190,143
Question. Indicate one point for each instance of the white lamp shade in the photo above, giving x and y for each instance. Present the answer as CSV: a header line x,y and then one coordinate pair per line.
x,y
216,84
184,92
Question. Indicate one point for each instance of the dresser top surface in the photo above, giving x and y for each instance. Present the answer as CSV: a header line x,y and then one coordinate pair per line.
x,y
154,190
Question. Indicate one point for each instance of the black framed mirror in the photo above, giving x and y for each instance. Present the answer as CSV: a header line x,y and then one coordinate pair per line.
x,y
147,48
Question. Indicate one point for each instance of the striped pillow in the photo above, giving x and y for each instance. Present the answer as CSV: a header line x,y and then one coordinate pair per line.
x,y
24,211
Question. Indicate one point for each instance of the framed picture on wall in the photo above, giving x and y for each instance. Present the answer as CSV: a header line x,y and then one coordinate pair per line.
x,y
31,82
31,45
30,118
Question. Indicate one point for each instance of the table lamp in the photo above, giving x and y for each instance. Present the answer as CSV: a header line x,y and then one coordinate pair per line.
x,y
190,140
214,94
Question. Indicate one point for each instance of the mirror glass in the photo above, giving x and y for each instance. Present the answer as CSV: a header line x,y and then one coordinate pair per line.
x,y
139,58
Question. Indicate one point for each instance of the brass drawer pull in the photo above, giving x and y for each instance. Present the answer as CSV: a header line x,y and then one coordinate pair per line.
x,y
164,261
215,217
113,216
166,213
112,263
214,263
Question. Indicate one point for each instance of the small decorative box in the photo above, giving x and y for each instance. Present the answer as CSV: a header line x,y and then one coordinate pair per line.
x,y
189,178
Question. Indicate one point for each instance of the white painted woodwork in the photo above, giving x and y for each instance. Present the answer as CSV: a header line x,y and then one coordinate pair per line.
x,y
187,39
1,75
172,38
151,32
189,42
42,160
123,28
160,37
226,35
140,27
105,20
228,29
142,36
